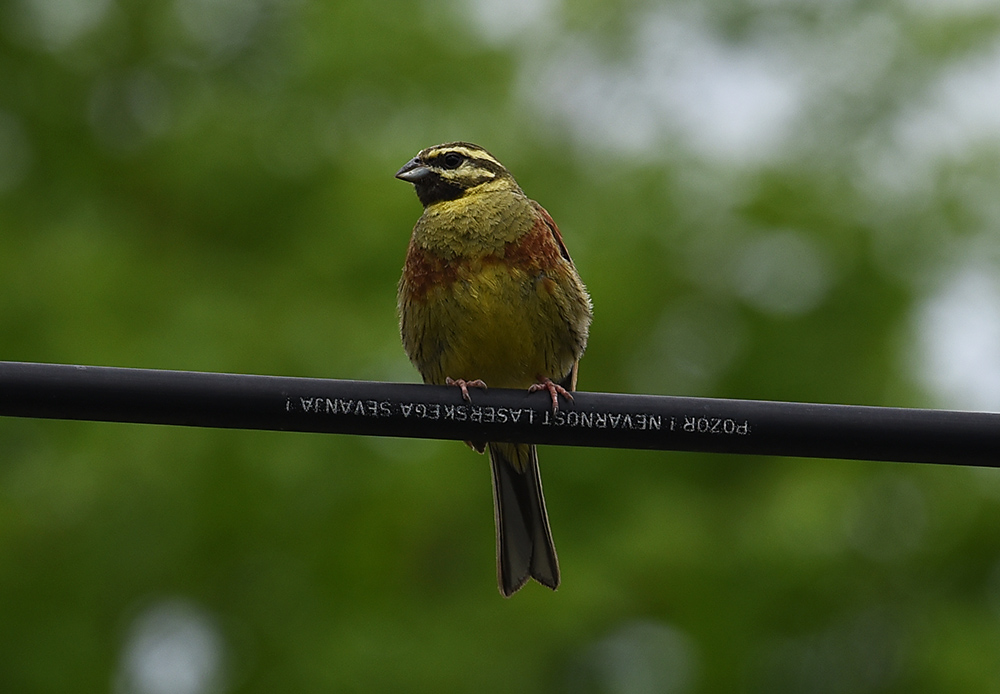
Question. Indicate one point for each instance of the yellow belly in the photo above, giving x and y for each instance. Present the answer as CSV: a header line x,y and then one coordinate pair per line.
x,y
493,323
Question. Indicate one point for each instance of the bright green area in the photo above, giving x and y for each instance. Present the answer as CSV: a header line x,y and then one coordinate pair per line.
x,y
207,185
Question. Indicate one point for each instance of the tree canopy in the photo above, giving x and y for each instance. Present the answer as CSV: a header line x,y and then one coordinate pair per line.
x,y
768,199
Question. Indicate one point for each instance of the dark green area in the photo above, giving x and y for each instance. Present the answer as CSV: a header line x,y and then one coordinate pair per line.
x,y
208,185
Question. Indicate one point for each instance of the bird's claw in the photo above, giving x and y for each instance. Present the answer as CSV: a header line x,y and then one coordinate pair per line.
x,y
554,389
465,385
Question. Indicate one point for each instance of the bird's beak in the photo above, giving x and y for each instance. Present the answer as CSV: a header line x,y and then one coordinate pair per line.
x,y
413,171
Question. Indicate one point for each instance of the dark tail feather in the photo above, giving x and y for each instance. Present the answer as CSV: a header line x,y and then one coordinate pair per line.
x,y
524,542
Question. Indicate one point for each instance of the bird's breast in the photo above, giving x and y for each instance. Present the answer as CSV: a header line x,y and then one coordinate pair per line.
x,y
499,316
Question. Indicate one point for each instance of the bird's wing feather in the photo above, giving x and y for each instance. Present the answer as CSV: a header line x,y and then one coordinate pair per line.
x,y
550,223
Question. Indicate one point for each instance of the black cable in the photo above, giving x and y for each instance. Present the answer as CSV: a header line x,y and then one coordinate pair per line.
x,y
188,398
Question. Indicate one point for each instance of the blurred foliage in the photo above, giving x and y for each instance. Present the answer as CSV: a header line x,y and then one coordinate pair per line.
x,y
767,199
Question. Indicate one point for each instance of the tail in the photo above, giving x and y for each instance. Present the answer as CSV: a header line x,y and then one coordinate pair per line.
x,y
524,542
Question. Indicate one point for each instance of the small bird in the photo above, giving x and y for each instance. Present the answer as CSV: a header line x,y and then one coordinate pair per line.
x,y
490,296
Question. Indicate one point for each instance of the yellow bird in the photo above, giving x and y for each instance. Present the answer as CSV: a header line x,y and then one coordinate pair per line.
x,y
489,295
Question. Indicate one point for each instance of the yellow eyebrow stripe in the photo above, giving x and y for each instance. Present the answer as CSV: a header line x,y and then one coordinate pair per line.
x,y
464,151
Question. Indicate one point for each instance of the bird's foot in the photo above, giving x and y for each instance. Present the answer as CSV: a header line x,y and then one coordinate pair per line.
x,y
554,389
465,385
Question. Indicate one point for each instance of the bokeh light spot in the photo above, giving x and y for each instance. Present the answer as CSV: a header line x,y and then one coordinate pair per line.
x,y
57,24
958,334
15,152
641,657
784,272
172,647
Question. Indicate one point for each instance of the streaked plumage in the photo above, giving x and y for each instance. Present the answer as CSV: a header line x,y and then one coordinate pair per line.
x,y
490,293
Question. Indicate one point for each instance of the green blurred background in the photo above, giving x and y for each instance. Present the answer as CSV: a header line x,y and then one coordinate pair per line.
x,y
773,199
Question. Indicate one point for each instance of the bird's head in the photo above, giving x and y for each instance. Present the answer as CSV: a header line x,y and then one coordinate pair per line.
x,y
455,170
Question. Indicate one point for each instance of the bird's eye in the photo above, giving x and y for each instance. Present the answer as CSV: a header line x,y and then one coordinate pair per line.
x,y
452,160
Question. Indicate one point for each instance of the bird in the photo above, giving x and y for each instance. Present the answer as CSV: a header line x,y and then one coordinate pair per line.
x,y
489,297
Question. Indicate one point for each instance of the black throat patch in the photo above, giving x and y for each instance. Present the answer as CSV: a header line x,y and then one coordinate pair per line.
x,y
435,189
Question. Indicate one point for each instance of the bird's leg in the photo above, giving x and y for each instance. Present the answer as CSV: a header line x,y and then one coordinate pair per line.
x,y
465,385
555,390
477,446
